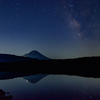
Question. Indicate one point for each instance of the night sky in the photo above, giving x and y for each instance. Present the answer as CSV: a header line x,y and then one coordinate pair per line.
x,y
55,28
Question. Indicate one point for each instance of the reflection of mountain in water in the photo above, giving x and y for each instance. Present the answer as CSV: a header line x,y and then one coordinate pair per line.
x,y
35,78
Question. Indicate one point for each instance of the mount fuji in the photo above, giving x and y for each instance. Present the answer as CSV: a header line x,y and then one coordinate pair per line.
x,y
37,55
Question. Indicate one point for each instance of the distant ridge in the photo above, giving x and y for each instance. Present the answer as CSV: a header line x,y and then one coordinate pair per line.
x,y
13,58
37,55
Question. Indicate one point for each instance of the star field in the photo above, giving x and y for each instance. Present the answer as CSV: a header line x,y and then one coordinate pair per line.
x,y
56,28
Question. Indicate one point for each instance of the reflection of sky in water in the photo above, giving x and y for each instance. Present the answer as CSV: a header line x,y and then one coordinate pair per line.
x,y
53,87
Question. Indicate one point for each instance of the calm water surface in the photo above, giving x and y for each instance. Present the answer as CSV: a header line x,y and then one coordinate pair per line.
x,y
50,87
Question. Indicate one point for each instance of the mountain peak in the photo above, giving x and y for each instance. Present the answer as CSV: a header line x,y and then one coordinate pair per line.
x,y
34,51
36,54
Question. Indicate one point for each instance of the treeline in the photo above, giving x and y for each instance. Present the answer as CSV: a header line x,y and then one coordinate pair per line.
x,y
86,66
52,65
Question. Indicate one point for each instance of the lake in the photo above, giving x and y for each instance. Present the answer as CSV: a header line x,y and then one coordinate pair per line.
x,y
49,87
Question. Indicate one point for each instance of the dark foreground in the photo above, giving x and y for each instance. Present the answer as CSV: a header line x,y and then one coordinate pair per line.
x,y
3,95
87,66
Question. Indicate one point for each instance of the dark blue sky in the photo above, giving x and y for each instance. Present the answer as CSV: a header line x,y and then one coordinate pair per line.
x,y
55,28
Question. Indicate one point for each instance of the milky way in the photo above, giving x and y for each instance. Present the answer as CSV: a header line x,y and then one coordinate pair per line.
x,y
56,28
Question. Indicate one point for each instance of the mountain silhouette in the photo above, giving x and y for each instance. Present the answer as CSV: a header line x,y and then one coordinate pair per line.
x,y
37,55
